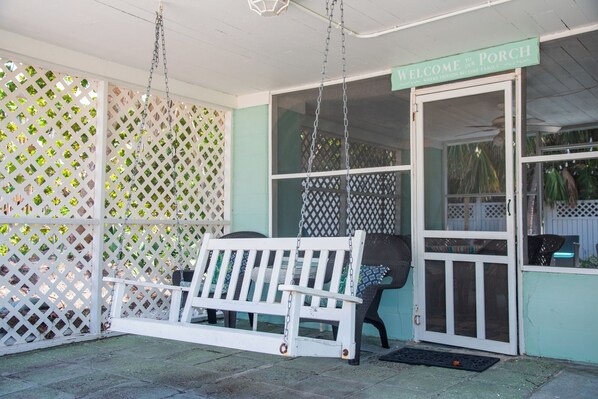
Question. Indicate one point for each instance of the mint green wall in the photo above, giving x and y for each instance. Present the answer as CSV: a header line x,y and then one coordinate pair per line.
x,y
396,310
433,200
406,210
561,316
250,169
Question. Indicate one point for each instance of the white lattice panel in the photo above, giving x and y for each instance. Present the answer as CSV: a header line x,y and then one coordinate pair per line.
x,y
148,256
48,160
374,214
47,142
150,251
584,209
495,210
457,211
484,216
199,142
327,154
581,221
374,201
323,208
364,155
45,285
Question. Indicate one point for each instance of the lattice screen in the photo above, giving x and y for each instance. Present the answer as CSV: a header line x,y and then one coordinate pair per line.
x,y
374,195
48,142
323,206
375,202
47,163
327,155
150,251
584,209
494,210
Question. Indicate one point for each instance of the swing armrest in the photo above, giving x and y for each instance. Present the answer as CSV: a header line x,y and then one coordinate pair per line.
x,y
145,284
319,293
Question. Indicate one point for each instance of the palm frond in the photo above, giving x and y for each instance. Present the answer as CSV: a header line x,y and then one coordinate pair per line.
x,y
554,186
571,187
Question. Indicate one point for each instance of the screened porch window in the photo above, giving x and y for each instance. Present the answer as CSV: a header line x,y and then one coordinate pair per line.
x,y
560,158
379,153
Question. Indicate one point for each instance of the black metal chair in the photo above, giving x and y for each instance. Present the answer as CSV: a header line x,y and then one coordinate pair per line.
x,y
540,248
230,318
386,250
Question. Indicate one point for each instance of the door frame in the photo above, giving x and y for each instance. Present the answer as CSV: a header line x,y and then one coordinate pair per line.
x,y
509,83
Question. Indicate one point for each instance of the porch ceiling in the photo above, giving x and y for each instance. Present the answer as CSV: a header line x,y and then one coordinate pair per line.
x,y
222,45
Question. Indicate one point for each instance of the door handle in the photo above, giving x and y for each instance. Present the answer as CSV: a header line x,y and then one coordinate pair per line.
x,y
509,207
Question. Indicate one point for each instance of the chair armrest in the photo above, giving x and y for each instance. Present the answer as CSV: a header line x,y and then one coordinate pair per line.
x,y
145,284
319,293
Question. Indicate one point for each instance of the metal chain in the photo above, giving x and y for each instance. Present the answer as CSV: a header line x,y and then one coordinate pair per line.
x,y
173,152
158,33
312,150
314,135
350,230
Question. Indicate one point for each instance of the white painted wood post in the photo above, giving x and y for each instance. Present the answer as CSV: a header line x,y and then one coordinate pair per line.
x,y
97,266
117,300
175,305
293,323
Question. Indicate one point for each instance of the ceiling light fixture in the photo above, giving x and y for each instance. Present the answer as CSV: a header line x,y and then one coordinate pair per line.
x,y
268,8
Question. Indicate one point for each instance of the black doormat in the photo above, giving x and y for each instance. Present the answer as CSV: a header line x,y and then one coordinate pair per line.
x,y
460,361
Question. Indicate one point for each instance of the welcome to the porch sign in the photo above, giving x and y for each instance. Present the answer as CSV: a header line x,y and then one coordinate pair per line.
x,y
465,65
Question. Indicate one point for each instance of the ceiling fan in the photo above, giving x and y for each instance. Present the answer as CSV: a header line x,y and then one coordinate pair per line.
x,y
498,123
532,125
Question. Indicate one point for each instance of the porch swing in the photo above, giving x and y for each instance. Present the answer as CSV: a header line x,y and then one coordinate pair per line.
x,y
309,278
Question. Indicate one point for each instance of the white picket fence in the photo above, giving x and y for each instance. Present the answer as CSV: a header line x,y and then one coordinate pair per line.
x,y
483,216
581,220
560,219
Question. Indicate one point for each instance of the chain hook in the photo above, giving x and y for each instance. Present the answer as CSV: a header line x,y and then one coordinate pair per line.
x,y
158,39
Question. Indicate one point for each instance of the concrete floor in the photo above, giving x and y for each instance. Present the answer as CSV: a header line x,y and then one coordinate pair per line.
x,y
135,367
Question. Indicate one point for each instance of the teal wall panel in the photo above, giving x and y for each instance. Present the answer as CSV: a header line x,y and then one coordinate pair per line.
x,y
561,316
250,169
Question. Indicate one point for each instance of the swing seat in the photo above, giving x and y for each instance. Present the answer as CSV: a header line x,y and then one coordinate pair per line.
x,y
266,288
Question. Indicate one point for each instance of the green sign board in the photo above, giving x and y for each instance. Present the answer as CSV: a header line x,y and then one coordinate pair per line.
x,y
475,63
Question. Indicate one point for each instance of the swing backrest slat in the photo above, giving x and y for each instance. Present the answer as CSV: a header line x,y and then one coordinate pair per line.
x,y
268,263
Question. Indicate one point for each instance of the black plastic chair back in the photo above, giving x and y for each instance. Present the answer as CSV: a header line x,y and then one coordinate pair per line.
x,y
391,251
540,248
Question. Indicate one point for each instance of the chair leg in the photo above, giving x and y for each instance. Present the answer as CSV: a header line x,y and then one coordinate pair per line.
x,y
372,317
212,319
379,324
230,319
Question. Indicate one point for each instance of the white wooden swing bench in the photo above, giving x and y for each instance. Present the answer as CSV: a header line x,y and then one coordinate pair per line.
x,y
261,292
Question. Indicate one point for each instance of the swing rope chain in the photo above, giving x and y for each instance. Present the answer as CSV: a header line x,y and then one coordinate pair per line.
x,y
159,37
330,4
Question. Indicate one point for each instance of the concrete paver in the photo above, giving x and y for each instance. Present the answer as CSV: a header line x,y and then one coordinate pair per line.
x,y
127,366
